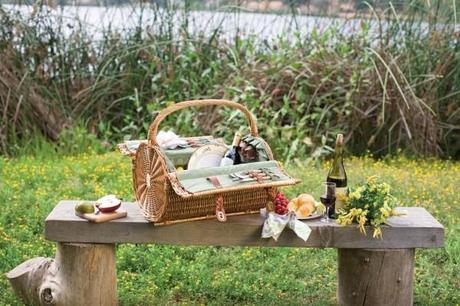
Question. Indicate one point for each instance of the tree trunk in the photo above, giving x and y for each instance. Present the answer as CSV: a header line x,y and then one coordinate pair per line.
x,y
375,277
81,274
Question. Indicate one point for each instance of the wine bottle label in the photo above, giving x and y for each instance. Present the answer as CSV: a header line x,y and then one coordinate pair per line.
x,y
341,194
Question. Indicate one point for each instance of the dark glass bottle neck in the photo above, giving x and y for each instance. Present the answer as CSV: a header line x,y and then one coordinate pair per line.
x,y
338,153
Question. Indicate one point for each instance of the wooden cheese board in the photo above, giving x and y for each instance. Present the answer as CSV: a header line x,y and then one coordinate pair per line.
x,y
99,217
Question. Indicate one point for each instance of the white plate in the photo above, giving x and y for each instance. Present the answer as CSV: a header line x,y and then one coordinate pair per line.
x,y
207,156
315,215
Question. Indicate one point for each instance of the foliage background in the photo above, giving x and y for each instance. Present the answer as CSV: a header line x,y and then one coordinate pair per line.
x,y
392,84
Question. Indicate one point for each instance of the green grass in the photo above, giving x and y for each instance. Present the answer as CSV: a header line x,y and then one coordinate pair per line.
x,y
153,274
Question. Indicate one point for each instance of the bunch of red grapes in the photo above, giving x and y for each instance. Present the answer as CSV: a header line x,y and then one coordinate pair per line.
x,y
281,203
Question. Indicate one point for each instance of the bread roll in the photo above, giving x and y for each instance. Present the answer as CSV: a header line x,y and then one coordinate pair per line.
x,y
303,211
294,204
304,205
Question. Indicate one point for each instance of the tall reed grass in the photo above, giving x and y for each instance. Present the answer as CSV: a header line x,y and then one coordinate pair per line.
x,y
391,86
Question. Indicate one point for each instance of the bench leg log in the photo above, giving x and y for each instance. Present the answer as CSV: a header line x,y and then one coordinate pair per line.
x,y
375,277
81,274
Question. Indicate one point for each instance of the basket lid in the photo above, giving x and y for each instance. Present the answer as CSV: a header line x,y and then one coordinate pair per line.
x,y
198,182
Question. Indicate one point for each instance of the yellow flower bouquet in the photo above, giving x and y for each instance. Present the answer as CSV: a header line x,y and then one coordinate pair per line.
x,y
369,204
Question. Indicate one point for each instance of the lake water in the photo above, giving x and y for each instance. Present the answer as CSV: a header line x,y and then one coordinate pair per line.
x,y
262,26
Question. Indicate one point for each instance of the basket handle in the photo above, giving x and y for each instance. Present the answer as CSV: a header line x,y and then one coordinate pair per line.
x,y
153,129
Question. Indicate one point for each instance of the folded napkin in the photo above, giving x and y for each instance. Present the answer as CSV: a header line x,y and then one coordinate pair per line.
x,y
169,140
274,225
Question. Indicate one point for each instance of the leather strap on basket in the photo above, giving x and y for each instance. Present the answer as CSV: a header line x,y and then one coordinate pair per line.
x,y
220,211
152,135
271,193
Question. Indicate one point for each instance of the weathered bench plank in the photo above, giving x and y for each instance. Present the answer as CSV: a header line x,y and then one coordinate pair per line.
x,y
417,229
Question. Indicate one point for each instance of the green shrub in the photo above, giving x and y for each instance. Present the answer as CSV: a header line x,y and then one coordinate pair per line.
x,y
392,85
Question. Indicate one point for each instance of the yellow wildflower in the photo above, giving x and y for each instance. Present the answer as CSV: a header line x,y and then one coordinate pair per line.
x,y
362,222
377,232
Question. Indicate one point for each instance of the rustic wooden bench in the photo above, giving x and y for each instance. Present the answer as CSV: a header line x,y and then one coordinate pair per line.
x,y
370,271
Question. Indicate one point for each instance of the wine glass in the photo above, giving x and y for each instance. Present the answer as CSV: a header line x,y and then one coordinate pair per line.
x,y
328,199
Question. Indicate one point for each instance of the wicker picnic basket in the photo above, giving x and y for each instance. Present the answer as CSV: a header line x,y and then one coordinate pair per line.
x,y
165,199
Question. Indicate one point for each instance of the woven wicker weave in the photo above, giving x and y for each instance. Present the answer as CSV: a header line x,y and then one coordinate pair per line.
x,y
160,195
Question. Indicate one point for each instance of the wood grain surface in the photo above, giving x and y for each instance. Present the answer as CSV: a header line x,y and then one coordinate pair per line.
x,y
103,217
80,275
375,277
417,229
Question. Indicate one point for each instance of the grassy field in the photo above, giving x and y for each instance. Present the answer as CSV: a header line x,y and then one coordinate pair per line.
x,y
152,275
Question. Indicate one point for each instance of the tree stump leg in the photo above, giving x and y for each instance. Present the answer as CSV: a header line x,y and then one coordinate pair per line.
x,y
375,277
81,274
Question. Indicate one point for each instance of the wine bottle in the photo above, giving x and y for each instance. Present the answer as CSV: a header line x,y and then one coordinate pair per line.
x,y
232,157
338,175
